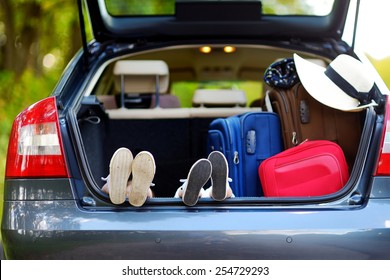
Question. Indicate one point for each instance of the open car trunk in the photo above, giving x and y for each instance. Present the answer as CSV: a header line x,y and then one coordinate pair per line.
x,y
114,114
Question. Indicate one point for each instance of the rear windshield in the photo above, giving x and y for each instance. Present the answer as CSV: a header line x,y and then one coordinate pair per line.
x,y
167,7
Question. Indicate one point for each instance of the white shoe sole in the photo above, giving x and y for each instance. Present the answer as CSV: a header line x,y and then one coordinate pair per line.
x,y
120,170
143,170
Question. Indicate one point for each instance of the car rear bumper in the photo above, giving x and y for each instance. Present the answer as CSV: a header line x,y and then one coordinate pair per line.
x,y
62,230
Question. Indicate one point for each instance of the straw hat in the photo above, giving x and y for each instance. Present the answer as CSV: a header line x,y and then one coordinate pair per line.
x,y
345,84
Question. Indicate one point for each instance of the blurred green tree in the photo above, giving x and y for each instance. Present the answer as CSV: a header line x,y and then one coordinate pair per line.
x,y
37,38
31,29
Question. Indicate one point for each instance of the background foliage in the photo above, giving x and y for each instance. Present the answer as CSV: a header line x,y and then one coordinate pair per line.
x,y
33,33
37,39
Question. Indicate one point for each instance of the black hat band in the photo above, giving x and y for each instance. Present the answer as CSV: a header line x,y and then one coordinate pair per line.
x,y
363,97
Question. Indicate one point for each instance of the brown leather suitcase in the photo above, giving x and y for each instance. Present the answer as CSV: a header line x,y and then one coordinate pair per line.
x,y
302,117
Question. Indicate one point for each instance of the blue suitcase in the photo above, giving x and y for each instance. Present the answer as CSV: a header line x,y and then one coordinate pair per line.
x,y
246,140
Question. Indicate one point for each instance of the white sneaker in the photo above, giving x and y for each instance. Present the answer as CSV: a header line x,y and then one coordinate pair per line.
x,y
120,170
143,169
198,176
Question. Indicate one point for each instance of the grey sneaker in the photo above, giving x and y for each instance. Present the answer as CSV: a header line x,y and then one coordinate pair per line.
x,y
120,170
198,176
219,175
143,170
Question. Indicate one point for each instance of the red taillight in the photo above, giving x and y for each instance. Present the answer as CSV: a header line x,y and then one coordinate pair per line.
x,y
35,147
383,165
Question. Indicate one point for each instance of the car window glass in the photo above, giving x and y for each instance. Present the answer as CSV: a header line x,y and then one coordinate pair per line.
x,y
270,7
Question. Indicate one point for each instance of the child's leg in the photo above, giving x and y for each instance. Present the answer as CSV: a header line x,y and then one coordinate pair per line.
x,y
120,170
143,170
105,186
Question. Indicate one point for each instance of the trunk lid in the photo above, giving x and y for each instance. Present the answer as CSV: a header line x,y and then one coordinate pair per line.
x,y
152,19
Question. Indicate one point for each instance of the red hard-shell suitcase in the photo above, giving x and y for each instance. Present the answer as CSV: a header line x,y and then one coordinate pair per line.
x,y
313,168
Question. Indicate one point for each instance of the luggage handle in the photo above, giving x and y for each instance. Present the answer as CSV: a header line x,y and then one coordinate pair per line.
x,y
304,112
251,142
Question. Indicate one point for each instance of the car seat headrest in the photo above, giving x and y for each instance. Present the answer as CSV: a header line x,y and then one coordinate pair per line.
x,y
219,98
141,76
